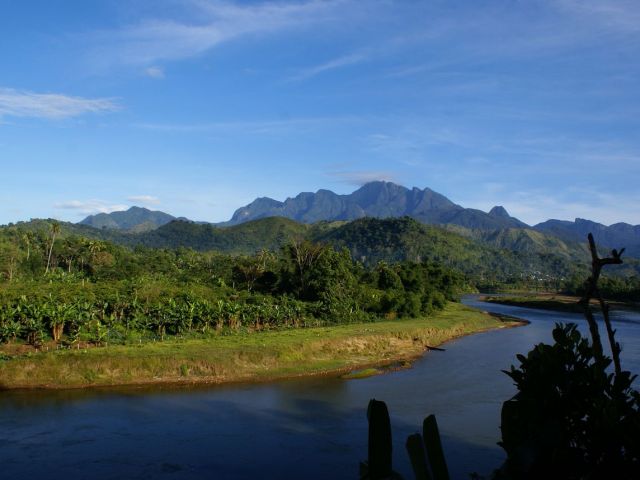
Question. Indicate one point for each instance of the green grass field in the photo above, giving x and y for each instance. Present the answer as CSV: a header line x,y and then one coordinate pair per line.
x,y
238,357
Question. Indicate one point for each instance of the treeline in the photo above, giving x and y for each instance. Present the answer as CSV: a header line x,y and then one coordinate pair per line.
x,y
74,289
514,259
612,288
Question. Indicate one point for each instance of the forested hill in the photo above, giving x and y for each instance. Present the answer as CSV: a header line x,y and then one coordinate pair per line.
x,y
372,240
136,219
269,233
507,255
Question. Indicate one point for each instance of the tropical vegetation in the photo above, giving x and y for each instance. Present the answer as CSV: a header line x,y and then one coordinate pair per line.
x,y
79,290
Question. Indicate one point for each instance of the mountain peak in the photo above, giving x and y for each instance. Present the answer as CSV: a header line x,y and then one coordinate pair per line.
x,y
381,184
499,211
378,199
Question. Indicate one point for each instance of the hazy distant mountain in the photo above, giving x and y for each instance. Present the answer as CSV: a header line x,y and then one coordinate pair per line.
x,y
614,236
375,199
386,200
136,219
526,240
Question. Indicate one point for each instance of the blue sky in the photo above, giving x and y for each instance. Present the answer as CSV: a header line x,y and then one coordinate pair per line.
x,y
196,107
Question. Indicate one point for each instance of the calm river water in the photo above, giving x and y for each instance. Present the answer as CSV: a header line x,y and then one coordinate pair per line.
x,y
306,429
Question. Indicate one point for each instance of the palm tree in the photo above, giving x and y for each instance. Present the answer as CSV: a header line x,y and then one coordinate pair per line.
x,y
27,240
55,230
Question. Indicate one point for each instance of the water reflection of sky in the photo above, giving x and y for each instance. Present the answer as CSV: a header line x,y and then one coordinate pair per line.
x,y
309,428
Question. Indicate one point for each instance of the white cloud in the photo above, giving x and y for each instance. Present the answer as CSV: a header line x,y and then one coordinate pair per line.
x,y
154,72
21,103
407,71
90,207
619,15
362,177
213,22
339,62
254,127
144,199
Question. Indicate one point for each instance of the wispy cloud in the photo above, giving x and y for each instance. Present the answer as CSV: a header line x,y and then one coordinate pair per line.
x,y
254,127
411,142
620,15
362,177
154,72
90,207
209,24
407,71
144,199
336,63
22,103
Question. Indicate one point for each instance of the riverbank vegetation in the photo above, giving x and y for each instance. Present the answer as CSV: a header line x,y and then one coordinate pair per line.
x,y
576,413
542,301
515,259
235,356
622,289
63,296
74,291
552,301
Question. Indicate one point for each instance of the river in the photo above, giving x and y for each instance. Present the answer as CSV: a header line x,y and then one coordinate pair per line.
x,y
303,429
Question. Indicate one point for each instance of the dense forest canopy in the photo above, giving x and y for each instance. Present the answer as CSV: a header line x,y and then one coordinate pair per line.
x,y
89,284
91,290
503,256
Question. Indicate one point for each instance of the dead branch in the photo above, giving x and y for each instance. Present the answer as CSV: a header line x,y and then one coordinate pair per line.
x,y
592,291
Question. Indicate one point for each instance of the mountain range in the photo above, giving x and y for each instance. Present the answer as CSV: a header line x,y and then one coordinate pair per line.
x,y
389,200
377,200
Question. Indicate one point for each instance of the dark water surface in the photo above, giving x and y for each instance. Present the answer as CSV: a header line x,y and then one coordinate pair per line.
x,y
307,429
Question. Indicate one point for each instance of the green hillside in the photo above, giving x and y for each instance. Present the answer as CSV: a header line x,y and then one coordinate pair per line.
x,y
372,240
526,240
486,257
267,233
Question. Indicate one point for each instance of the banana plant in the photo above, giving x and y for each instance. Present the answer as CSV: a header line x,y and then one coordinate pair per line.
x,y
188,313
56,315
31,319
10,328
220,313
84,314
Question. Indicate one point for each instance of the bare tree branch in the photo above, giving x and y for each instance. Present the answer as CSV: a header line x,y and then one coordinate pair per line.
x,y
592,291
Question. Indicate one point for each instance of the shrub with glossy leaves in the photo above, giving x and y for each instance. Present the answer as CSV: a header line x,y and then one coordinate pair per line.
x,y
572,417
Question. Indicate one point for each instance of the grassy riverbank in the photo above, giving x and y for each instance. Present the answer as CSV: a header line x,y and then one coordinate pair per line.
x,y
241,357
551,301
559,303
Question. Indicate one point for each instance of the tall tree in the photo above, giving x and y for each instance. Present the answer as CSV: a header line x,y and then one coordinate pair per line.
x,y
9,259
55,231
27,240
304,254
